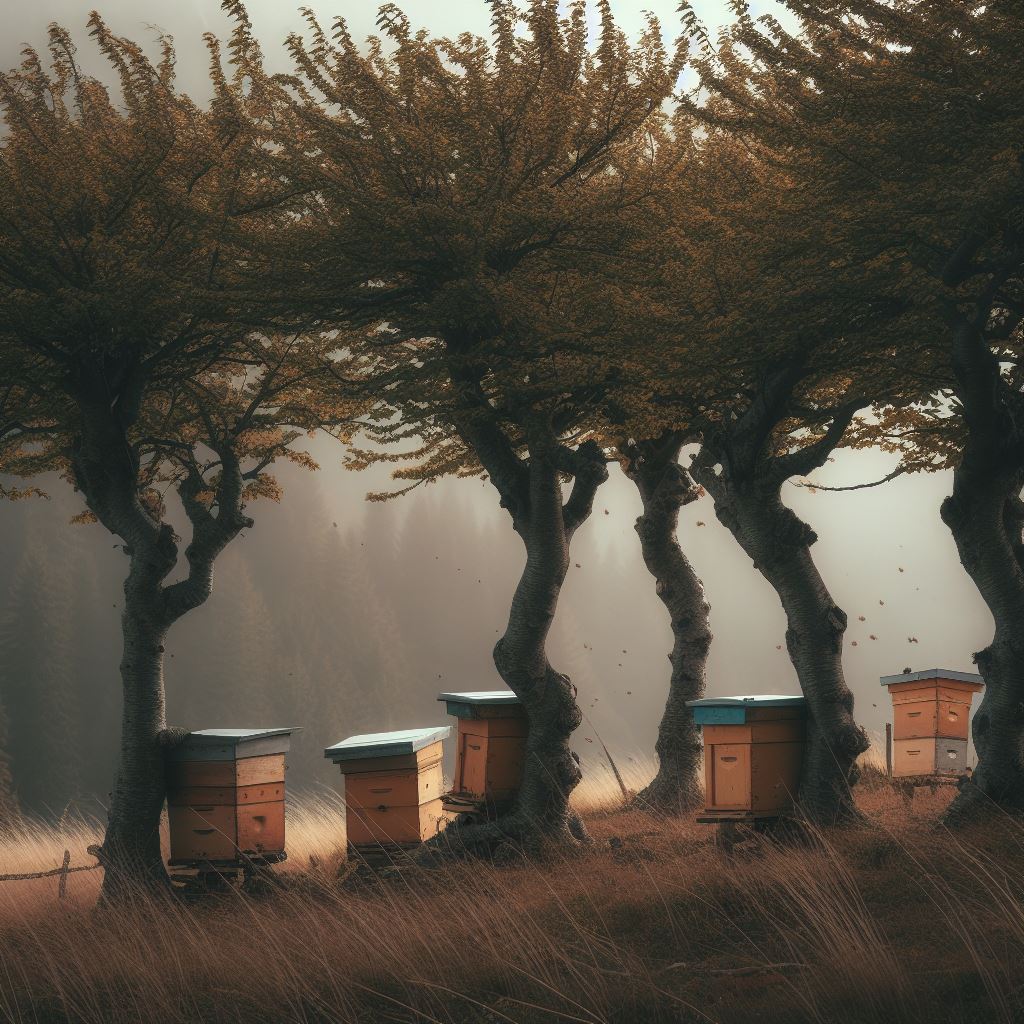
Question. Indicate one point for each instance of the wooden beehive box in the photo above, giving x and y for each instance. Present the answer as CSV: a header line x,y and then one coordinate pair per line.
x,y
931,720
393,785
491,746
225,796
753,749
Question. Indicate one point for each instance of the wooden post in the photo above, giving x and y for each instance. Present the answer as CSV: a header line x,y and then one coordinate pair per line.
x,y
888,749
62,886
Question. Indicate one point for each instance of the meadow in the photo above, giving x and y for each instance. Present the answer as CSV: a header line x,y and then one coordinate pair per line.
x,y
895,921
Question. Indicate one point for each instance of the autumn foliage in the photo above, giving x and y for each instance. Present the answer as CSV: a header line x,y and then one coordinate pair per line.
x,y
523,258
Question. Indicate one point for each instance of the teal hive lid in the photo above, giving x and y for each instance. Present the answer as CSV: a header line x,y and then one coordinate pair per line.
x,y
759,700
386,744
933,673
479,697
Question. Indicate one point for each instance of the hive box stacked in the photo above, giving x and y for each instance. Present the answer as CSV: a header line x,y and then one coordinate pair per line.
x,y
393,785
225,796
753,749
931,720
491,745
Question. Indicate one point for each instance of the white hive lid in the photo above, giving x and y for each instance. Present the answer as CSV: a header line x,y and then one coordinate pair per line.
x,y
387,744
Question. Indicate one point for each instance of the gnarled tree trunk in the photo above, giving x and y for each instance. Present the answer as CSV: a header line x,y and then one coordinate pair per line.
x,y
743,471
532,493
985,516
778,543
131,844
107,473
664,488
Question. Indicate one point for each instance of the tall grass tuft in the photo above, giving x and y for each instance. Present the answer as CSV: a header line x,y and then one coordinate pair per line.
x,y
895,922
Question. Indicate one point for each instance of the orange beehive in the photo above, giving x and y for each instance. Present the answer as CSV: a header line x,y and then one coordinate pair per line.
x,y
491,746
753,748
931,720
225,796
393,785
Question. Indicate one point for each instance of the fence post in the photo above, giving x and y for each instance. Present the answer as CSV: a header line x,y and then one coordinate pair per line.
x,y
888,749
62,887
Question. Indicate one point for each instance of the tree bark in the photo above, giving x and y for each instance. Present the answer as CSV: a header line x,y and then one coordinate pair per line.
x,y
778,543
106,471
531,491
131,845
743,471
664,487
985,516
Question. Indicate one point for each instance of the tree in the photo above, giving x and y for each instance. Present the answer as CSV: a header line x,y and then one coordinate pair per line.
x,y
664,488
130,263
906,120
466,203
764,341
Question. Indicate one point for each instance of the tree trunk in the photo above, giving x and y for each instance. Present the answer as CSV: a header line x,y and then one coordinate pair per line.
x,y
532,493
664,487
983,516
779,543
107,472
551,770
131,846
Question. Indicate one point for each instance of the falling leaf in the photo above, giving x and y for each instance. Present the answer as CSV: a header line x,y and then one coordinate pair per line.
x,y
901,568
854,643
577,564
872,637
700,522
880,601
861,618
778,647
629,693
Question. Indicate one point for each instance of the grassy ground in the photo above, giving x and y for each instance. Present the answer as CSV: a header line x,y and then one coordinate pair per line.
x,y
898,921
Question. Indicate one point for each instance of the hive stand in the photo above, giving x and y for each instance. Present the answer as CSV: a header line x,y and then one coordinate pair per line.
x,y
393,788
931,726
489,754
753,752
226,804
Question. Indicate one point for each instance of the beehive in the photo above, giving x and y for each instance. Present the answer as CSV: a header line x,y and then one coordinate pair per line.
x,y
225,796
753,749
931,720
491,746
393,785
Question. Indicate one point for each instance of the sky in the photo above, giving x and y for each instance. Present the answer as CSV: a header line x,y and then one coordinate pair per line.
x,y
273,20
884,552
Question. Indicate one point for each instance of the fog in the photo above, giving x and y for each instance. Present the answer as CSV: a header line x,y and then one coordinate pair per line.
x,y
341,616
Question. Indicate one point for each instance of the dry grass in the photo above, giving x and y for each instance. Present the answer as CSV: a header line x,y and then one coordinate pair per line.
x,y
898,922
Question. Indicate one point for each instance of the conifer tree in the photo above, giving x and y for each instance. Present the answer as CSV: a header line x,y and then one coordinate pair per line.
x,y
38,683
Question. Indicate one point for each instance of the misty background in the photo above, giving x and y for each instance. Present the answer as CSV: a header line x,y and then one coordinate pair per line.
x,y
342,617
